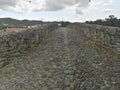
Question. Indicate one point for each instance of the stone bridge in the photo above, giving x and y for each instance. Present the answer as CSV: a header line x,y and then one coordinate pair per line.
x,y
77,57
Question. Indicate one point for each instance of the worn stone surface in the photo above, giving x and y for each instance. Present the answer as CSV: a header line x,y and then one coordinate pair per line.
x,y
65,62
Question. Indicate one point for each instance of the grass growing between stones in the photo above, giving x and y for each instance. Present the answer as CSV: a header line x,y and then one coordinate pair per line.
x,y
101,48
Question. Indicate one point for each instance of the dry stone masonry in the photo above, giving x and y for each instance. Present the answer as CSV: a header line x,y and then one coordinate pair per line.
x,y
77,57
17,42
101,37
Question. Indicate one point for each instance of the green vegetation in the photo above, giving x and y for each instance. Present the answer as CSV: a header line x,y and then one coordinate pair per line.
x,y
110,21
2,27
18,23
64,24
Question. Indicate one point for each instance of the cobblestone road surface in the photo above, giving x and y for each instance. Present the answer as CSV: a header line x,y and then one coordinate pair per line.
x,y
65,62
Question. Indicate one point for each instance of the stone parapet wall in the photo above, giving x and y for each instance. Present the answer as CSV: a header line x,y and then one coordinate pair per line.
x,y
105,35
14,43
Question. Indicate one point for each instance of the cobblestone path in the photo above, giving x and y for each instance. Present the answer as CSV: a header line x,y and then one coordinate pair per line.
x,y
65,62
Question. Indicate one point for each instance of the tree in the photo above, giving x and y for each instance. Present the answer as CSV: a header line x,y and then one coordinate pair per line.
x,y
111,20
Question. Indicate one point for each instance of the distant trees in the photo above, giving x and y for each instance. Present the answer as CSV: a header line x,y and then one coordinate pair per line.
x,y
64,23
19,23
110,21
2,27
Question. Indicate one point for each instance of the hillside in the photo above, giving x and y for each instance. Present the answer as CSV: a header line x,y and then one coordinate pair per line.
x,y
18,23
109,21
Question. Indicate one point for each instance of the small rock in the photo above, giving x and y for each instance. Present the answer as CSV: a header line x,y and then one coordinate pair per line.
x,y
72,85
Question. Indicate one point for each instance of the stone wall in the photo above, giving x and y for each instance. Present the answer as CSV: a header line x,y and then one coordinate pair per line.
x,y
108,37
15,43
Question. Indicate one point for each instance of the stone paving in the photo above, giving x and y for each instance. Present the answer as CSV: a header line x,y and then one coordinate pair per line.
x,y
65,62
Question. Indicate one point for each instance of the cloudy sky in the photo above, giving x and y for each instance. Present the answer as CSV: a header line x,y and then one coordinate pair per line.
x,y
67,10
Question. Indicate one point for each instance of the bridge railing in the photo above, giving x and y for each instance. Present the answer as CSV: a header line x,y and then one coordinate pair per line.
x,y
15,43
103,36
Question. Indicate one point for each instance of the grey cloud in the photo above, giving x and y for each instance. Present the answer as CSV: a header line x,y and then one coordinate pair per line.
x,y
79,11
49,5
5,4
8,2
54,5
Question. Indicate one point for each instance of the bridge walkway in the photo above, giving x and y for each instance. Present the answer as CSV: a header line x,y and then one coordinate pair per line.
x,y
65,62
